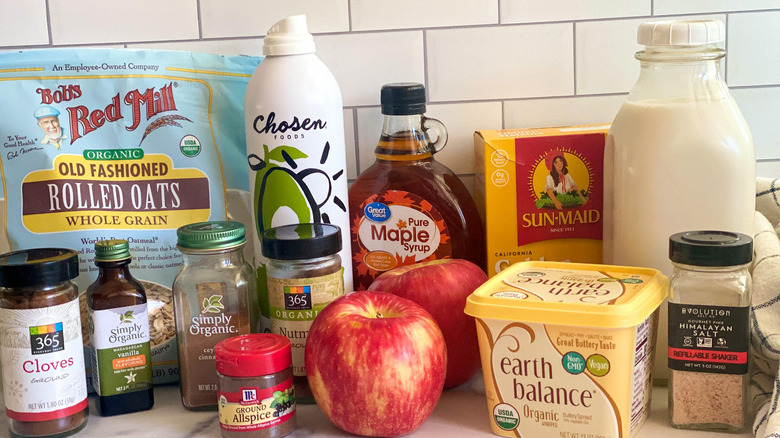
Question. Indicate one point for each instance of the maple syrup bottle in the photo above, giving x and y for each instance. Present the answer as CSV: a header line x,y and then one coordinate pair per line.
x,y
407,207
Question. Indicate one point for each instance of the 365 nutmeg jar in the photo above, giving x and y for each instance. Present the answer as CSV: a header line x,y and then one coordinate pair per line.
x,y
256,395
42,355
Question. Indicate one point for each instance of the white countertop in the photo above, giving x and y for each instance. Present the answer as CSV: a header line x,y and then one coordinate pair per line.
x,y
461,413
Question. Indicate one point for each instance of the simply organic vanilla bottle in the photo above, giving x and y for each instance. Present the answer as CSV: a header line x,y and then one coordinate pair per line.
x,y
295,142
679,155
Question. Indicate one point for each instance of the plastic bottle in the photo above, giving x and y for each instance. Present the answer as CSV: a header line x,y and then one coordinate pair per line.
x,y
295,142
407,207
679,155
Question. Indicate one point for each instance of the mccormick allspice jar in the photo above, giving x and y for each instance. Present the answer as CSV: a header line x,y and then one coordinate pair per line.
x,y
256,396
304,275
42,355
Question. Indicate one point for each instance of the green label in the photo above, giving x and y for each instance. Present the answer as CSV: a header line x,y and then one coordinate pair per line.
x,y
573,362
121,353
113,154
190,146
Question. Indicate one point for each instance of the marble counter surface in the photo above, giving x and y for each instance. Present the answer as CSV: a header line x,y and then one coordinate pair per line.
x,y
461,413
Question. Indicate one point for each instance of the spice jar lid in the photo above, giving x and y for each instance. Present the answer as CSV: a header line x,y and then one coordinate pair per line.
x,y
112,250
402,98
38,266
211,235
301,241
711,248
253,355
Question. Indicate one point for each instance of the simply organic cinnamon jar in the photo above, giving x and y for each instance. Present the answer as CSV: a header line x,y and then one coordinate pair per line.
x,y
567,348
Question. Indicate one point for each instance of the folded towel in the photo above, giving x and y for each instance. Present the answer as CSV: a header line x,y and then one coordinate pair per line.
x,y
765,341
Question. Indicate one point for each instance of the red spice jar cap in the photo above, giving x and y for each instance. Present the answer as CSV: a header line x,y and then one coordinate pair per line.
x,y
253,355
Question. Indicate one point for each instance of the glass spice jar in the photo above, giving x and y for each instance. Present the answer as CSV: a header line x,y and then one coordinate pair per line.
x,y
304,275
709,331
42,355
256,396
119,328
214,299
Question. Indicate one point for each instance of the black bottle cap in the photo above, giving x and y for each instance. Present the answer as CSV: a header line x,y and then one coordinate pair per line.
x,y
403,98
711,248
301,241
38,267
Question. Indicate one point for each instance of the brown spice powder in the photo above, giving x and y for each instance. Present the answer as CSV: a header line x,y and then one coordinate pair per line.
x,y
702,398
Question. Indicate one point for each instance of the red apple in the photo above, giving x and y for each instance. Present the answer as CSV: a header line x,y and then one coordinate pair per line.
x,y
441,287
375,363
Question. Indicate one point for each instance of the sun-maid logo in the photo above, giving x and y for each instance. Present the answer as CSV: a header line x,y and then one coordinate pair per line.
x,y
564,186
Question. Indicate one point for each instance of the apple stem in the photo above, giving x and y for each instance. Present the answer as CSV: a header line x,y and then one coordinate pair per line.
x,y
378,314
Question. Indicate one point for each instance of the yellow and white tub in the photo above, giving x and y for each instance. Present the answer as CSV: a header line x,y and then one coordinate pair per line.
x,y
567,349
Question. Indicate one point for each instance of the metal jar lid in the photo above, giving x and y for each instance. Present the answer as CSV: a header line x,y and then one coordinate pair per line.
x,y
112,250
301,241
211,235
38,267
711,248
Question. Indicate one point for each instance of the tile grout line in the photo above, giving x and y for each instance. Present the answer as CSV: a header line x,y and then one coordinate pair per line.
x,y
48,23
726,46
357,143
376,31
425,63
349,14
200,21
574,55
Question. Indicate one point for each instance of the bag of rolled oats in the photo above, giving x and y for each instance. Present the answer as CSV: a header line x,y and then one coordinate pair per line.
x,y
126,144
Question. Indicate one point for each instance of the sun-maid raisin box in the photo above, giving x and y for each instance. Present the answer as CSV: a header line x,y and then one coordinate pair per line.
x,y
121,144
540,193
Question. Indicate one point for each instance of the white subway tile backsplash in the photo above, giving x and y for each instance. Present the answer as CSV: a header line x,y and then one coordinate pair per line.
x,y
362,63
24,23
404,14
768,169
487,64
754,49
761,108
530,11
349,143
663,7
98,21
369,121
605,54
540,113
232,18
253,46
460,120
500,62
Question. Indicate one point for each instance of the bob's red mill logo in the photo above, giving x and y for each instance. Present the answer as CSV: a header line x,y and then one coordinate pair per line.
x,y
83,120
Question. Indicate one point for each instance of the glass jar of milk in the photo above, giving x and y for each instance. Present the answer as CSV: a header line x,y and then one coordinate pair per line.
x,y
679,155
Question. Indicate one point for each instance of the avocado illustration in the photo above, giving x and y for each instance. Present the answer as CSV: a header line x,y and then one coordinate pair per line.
x,y
277,187
287,192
